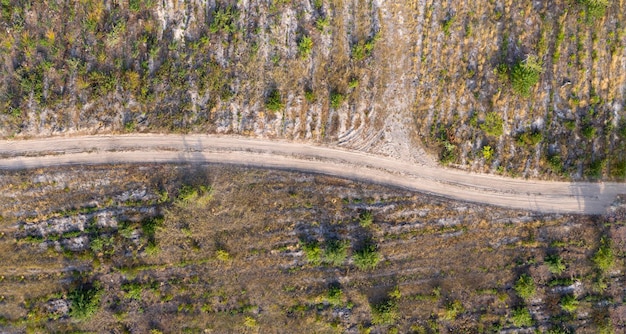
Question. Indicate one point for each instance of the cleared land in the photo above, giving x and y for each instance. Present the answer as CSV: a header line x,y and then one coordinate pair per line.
x,y
223,249
581,197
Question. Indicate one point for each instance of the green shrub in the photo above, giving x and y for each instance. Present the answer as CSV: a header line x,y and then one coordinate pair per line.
x,y
336,99
594,169
274,101
385,312
305,46
322,23
589,131
595,8
525,286
525,74
493,124
487,152
530,138
447,24
363,49
555,163
452,310
555,264
85,301
366,218
618,169
312,252
335,252
569,303
520,317
224,20
603,258
366,258
132,290
334,295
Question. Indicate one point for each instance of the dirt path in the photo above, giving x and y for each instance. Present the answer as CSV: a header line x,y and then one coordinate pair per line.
x,y
588,198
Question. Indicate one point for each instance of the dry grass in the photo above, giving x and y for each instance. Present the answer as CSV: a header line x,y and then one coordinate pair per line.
x,y
230,259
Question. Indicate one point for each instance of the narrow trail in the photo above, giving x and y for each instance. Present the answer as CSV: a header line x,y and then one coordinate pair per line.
x,y
542,196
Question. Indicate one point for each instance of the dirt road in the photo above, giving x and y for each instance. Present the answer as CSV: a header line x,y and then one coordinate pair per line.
x,y
588,198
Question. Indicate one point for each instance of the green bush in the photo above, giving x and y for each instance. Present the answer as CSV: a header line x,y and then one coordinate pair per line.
x,y
312,252
524,75
595,8
334,295
452,310
530,138
85,301
132,290
366,258
305,46
520,317
224,20
493,124
336,99
595,168
589,131
487,152
525,286
366,218
335,252
274,101
569,303
555,163
618,169
385,312
555,264
447,24
603,258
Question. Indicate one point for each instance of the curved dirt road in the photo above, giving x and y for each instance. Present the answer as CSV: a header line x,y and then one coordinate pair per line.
x,y
544,196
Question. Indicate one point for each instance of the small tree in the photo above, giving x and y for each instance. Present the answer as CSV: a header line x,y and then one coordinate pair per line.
x,y
555,264
525,75
520,317
366,258
525,286
274,101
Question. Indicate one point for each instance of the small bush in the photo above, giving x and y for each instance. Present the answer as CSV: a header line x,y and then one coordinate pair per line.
x,y
530,138
493,124
447,24
85,301
569,303
366,219
335,252
334,295
603,258
224,20
336,99
274,101
487,152
594,169
366,258
595,8
618,169
385,312
305,46
589,131
132,290
520,317
452,310
524,75
555,264
312,252
525,286
555,163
